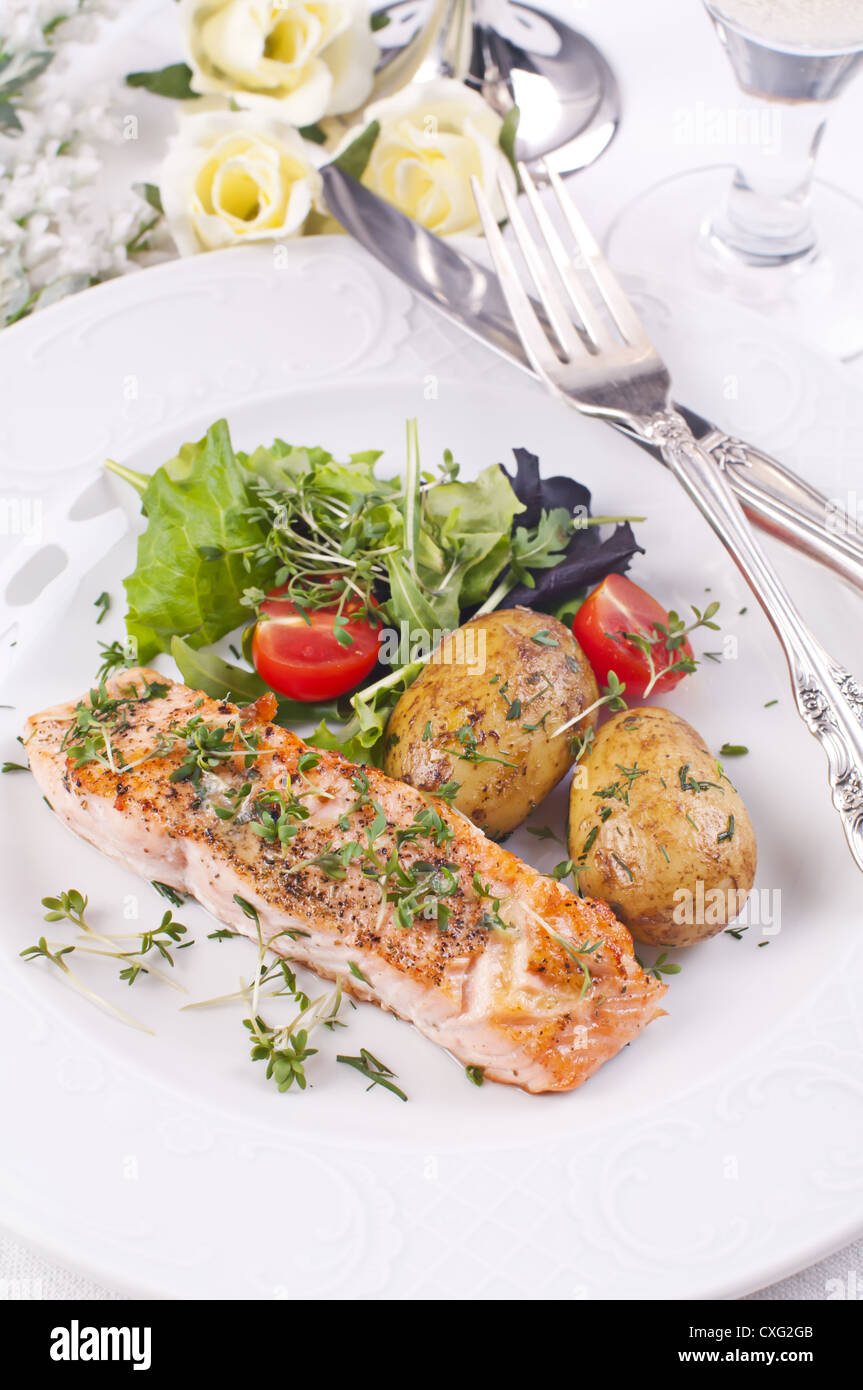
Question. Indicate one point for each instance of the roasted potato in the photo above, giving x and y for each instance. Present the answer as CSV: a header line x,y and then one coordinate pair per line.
x,y
485,711
660,832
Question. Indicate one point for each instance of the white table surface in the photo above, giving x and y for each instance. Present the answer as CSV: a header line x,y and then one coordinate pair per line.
x,y
667,60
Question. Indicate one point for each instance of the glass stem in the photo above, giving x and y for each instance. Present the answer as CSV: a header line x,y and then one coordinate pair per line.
x,y
767,215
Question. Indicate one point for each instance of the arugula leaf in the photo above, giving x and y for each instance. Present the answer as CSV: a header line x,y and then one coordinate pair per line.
x,y
187,581
407,602
585,559
410,602
221,680
217,678
541,547
581,566
172,81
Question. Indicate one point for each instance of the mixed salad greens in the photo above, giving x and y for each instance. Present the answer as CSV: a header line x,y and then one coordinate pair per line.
x,y
232,538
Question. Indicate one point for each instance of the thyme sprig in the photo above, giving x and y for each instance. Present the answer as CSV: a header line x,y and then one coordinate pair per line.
x,y
671,636
661,966
611,696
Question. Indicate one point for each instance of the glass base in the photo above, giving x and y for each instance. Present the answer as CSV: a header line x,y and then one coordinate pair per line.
x,y
668,233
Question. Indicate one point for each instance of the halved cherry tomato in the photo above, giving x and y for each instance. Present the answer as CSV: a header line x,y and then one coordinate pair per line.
x,y
303,657
618,606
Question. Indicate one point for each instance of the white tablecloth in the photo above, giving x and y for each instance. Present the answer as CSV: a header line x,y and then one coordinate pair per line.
x,y
667,60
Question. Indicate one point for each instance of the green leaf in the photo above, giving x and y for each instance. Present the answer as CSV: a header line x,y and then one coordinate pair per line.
x,y
221,681
543,545
196,500
172,81
408,604
8,118
217,678
150,193
315,133
362,740
354,159
284,465
470,524
507,137
25,67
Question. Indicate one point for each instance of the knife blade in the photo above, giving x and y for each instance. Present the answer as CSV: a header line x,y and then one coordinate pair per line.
x,y
470,295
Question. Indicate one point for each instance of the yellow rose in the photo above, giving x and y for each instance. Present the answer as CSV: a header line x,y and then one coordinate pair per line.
x,y
298,59
433,137
231,177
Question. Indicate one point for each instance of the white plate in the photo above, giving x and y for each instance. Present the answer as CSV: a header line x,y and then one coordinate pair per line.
x,y
718,1153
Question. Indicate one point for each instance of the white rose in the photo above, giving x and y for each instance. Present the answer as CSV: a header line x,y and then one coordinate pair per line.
x,y
299,59
231,177
433,137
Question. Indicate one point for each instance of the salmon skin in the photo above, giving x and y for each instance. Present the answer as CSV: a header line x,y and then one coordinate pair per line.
x,y
499,964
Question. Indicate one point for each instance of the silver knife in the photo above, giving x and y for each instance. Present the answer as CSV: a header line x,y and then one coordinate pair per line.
x,y
776,499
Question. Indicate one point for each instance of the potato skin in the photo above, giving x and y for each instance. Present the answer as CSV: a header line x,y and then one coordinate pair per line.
x,y
658,850
452,703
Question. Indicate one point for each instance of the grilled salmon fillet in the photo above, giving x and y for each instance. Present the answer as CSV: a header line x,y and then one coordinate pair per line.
x,y
502,966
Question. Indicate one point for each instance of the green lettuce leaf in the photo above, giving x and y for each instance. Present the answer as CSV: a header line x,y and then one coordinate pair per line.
x,y
471,525
186,580
282,463
362,739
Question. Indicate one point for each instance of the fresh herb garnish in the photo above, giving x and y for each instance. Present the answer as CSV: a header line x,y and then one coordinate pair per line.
x,y
691,784
114,658
728,833
661,966
670,636
172,894
375,1072
544,832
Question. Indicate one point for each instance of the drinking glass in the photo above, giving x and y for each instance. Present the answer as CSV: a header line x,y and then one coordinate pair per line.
x,y
765,233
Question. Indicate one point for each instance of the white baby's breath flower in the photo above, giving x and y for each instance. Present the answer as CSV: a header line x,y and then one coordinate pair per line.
x,y
58,232
433,137
298,59
232,177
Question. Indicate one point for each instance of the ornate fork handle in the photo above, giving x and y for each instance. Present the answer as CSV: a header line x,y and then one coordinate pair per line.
x,y
829,699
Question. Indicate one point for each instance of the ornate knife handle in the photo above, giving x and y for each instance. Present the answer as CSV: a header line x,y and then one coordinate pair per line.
x,y
829,699
789,508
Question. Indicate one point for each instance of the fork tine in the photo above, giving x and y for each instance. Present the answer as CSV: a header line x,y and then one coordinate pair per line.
x,y
558,315
595,323
531,332
604,278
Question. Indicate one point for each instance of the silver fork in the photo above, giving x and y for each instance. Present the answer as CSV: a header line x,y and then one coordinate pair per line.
x,y
604,364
